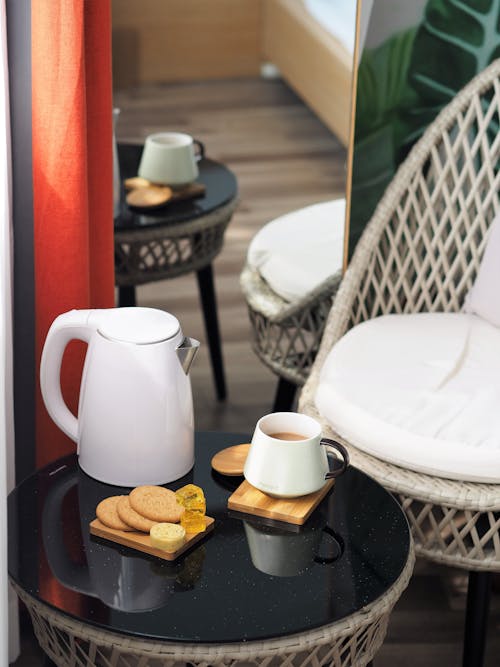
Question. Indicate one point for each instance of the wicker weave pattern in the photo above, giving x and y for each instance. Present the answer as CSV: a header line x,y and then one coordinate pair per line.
x,y
286,337
428,234
156,253
420,253
351,642
451,533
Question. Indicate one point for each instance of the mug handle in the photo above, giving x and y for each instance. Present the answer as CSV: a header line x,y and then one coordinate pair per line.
x,y
326,442
325,560
201,150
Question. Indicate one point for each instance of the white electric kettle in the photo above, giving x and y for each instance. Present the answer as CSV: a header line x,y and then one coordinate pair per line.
x,y
135,414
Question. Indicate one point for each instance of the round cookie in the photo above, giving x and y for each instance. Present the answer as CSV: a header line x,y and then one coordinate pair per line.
x,y
133,518
156,503
149,196
107,513
136,182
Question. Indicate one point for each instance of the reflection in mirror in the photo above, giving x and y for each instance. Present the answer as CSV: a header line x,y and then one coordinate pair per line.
x,y
266,86
416,57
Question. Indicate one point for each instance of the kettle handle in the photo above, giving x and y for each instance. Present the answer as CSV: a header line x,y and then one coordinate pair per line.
x,y
66,327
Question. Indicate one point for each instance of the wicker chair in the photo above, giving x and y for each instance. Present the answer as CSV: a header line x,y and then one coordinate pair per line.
x,y
421,252
286,336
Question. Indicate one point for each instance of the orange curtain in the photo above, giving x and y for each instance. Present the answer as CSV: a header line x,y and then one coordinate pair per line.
x,y
72,180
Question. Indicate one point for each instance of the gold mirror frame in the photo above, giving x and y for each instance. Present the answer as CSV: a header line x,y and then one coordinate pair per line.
x,y
350,150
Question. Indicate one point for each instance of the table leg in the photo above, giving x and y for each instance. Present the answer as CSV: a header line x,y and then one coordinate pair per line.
x,y
285,395
126,296
476,618
209,306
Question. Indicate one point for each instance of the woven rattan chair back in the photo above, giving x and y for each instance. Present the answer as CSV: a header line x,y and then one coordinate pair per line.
x,y
422,247
420,252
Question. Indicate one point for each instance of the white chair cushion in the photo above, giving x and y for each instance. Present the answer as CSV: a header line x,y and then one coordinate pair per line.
x,y
298,251
483,299
421,391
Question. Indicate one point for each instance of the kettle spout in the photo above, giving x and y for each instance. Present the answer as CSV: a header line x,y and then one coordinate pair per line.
x,y
186,352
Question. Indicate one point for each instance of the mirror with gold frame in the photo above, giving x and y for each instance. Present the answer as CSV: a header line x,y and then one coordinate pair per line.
x,y
415,57
266,85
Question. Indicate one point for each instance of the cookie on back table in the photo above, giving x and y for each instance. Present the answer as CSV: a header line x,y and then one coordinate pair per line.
x,y
133,518
151,196
108,515
156,503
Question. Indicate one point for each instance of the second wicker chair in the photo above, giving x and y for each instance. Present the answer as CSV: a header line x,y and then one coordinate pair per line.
x,y
420,253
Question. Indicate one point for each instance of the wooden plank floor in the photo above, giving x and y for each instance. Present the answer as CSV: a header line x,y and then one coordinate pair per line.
x,y
284,158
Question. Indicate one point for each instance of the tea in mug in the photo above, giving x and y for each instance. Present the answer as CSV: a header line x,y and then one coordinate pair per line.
x,y
284,435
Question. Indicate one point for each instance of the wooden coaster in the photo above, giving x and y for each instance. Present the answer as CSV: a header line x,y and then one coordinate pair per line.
x,y
249,500
231,461
190,191
141,542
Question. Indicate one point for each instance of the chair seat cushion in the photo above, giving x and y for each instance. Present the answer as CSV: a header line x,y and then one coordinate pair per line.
x,y
298,251
421,391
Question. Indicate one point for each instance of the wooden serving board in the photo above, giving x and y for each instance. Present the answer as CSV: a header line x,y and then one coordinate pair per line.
x,y
140,541
249,500
230,461
166,195
190,191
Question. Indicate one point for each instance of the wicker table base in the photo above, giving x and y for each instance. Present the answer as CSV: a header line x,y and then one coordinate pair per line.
x,y
286,336
352,642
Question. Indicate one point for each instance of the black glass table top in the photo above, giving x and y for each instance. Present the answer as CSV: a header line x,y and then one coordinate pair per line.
x,y
250,579
221,188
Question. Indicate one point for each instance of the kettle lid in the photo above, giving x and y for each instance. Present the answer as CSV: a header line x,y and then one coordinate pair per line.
x,y
141,326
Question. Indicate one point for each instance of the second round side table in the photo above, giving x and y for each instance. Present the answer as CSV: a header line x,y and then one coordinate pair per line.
x,y
171,241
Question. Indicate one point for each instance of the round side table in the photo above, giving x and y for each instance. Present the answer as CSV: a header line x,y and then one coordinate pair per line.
x,y
253,593
167,242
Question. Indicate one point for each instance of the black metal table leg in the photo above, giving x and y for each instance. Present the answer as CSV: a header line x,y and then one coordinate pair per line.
x,y
209,306
476,618
126,296
285,395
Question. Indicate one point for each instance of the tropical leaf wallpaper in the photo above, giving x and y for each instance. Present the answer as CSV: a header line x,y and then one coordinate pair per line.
x,y
405,81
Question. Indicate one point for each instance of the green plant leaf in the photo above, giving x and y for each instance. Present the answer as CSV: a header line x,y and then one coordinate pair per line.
x,y
456,40
383,88
406,81
386,123
373,169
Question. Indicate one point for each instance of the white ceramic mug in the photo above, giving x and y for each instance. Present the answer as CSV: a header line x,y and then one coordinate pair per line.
x,y
288,468
169,158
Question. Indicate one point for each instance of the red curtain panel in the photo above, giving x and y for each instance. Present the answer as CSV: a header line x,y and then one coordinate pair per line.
x,y
72,181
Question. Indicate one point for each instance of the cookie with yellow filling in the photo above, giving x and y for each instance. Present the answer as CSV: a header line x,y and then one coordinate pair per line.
x,y
167,536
